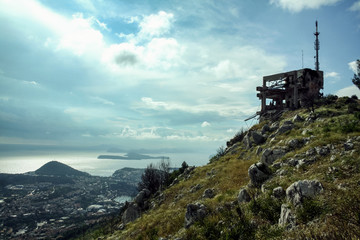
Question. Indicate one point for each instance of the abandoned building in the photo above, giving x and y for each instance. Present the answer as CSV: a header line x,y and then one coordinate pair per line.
x,y
290,90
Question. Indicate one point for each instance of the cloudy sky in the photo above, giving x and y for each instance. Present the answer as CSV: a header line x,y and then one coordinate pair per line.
x,y
158,74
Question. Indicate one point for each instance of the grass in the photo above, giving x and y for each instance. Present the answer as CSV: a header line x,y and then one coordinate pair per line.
x,y
335,214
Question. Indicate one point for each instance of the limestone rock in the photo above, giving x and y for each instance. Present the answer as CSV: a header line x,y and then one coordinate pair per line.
x,y
142,196
258,173
257,137
258,150
131,213
286,126
269,156
303,188
209,193
295,143
348,145
323,151
243,196
247,141
265,129
287,218
194,212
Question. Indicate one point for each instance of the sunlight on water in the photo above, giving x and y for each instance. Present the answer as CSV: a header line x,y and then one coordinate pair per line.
x,y
89,163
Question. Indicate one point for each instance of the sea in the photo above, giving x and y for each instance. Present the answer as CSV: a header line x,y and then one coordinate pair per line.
x,y
22,162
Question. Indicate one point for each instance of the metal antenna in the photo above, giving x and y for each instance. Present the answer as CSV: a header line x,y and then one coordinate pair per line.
x,y
317,47
302,58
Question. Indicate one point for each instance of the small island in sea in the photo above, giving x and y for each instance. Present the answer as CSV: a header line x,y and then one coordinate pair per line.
x,y
132,156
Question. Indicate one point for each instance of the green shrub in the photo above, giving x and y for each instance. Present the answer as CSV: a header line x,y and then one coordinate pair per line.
x,y
266,207
309,210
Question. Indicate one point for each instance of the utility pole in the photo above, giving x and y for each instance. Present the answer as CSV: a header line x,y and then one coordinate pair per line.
x,y
317,47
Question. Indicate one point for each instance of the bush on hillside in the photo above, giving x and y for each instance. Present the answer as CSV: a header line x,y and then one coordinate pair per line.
x,y
155,178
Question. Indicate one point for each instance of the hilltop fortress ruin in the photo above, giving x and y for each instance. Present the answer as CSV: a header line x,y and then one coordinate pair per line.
x,y
290,90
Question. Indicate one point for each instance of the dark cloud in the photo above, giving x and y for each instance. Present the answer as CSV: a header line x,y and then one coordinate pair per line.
x,y
126,58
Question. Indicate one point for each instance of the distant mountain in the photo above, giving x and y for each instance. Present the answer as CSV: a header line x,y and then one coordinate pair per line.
x,y
59,169
131,156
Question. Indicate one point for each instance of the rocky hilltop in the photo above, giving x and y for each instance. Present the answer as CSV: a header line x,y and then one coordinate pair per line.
x,y
296,177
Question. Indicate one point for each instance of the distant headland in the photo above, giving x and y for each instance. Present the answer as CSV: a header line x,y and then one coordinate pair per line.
x,y
132,156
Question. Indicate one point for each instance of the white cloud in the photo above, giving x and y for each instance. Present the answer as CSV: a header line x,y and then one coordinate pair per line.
x,y
298,6
80,37
353,66
348,91
205,124
156,25
224,110
332,74
355,6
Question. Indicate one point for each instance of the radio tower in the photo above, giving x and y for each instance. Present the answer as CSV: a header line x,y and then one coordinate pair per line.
x,y
317,47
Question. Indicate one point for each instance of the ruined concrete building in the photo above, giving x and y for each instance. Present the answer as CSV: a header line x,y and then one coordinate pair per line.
x,y
290,90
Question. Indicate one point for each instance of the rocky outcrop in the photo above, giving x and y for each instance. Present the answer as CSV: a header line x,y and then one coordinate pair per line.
x,y
253,137
287,218
259,173
271,155
132,213
243,196
286,126
299,190
194,212
209,193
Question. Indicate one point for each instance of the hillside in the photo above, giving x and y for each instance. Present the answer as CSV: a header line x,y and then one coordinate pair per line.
x,y
294,178
56,168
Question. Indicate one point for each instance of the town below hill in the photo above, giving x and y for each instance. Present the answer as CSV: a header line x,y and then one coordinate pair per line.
x,y
59,201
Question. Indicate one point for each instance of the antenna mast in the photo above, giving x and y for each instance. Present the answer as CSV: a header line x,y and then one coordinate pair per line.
x,y
317,47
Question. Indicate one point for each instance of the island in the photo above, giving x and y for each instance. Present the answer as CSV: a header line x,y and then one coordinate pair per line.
x,y
132,156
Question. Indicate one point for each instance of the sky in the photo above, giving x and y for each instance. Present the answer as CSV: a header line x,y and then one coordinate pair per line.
x,y
177,75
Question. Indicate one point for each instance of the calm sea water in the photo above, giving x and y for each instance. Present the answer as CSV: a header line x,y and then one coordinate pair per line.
x,y
88,162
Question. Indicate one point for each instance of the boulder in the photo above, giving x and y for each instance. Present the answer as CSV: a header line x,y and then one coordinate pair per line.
x,y
142,196
243,196
258,173
269,156
194,212
286,126
287,218
247,141
349,145
265,129
303,188
295,143
131,213
323,151
278,192
209,193
310,152
258,150
257,137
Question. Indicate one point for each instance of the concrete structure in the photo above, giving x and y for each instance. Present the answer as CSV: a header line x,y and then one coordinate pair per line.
x,y
289,90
